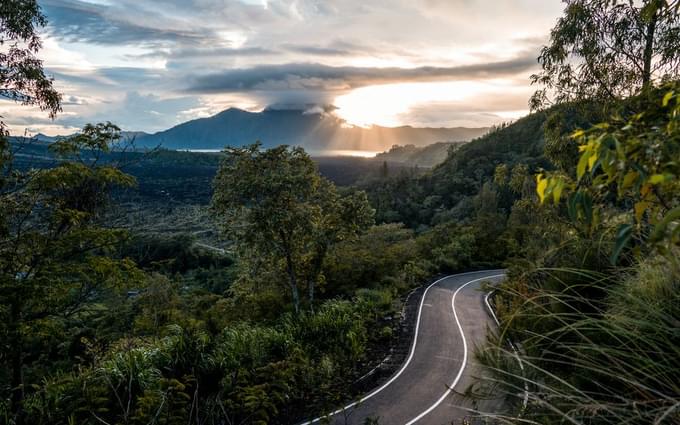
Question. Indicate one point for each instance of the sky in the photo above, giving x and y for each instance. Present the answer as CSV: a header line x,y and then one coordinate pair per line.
x,y
147,65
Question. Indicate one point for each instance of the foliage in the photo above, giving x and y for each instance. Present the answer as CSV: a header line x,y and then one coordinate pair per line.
x,y
446,192
633,157
22,78
607,50
248,373
593,308
276,206
54,253
426,156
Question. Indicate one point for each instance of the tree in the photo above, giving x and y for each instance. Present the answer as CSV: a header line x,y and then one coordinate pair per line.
x,y
606,50
53,249
278,208
342,218
22,78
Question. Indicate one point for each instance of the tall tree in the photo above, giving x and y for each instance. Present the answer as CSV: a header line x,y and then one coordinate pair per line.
x,y
605,50
22,79
341,218
53,249
276,206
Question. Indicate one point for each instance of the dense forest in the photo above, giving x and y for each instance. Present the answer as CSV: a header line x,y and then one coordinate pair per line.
x,y
259,286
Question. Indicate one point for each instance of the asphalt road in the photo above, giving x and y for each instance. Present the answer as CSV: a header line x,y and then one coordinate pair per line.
x,y
452,320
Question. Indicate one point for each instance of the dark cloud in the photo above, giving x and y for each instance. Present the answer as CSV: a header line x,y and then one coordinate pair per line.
x,y
318,77
205,53
340,48
79,21
123,78
317,50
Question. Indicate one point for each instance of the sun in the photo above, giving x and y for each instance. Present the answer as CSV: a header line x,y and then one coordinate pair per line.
x,y
386,105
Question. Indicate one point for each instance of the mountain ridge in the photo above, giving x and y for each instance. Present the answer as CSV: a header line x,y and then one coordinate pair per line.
x,y
314,129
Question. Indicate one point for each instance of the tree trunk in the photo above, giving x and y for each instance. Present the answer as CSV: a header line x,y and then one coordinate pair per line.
x,y
317,264
311,295
296,298
16,363
293,282
649,52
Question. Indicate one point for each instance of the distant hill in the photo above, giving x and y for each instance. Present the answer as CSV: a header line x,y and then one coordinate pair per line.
x,y
316,132
44,139
448,188
426,156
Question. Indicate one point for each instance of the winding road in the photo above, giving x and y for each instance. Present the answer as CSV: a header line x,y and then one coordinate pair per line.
x,y
452,320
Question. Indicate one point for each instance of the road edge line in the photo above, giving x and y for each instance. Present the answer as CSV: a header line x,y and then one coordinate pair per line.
x,y
411,353
465,350
525,399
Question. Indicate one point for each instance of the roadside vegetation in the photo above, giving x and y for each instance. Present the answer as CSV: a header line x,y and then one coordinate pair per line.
x,y
592,302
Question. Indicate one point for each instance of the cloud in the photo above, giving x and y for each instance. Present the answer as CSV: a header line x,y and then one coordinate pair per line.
x,y
318,77
81,21
316,50
133,60
206,53
136,110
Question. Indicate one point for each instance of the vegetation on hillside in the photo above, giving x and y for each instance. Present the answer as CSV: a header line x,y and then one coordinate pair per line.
x,y
420,156
594,311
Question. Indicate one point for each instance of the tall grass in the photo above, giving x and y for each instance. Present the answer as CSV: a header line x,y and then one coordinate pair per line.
x,y
614,360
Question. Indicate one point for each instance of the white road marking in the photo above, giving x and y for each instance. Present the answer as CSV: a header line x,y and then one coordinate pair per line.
x,y
465,350
525,400
413,348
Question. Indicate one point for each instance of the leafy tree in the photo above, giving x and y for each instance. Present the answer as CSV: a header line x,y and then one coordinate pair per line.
x,y
606,50
22,78
53,249
278,208
343,218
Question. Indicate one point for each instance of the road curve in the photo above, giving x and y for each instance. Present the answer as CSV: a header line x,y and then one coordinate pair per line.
x,y
452,320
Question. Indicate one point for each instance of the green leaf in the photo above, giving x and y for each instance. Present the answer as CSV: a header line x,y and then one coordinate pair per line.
x,y
582,163
623,235
657,178
660,229
541,186
640,208
557,190
667,98
629,179
647,12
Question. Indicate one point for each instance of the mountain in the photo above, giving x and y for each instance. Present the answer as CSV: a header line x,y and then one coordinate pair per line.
x,y
316,132
44,139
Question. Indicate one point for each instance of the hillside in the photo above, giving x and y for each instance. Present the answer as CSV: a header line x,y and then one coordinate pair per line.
x,y
426,156
446,192
475,162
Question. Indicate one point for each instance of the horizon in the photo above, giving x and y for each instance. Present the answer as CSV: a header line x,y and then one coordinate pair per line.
x,y
302,110
190,61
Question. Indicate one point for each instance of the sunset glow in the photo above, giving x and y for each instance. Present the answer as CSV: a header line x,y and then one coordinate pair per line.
x,y
387,105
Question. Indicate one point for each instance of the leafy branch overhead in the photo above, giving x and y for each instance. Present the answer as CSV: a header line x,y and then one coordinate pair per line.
x,y
634,158
606,50
22,77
